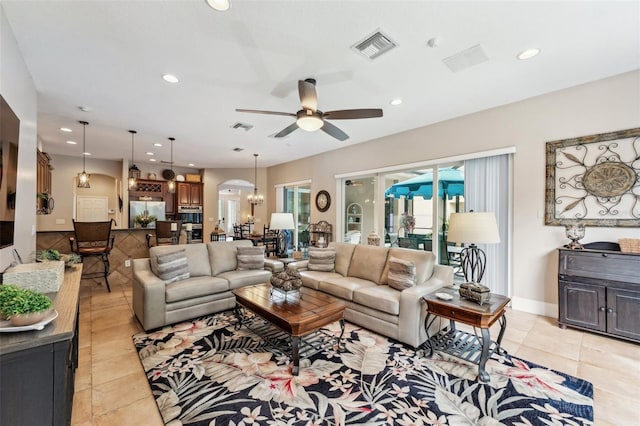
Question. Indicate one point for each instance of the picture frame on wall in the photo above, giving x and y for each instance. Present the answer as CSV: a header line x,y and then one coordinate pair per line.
x,y
594,180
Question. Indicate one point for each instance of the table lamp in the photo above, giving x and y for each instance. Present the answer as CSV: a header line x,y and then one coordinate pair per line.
x,y
473,228
281,222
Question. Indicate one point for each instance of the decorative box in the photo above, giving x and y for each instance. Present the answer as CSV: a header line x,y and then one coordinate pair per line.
x,y
476,292
193,178
43,277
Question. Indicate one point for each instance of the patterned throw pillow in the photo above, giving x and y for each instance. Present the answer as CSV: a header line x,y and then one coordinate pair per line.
x,y
322,259
250,258
402,274
173,266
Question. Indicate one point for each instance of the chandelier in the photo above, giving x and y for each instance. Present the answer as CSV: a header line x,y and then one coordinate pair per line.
x,y
255,198
83,178
134,171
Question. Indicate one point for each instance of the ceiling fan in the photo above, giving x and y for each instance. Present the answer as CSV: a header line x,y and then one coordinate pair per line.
x,y
310,118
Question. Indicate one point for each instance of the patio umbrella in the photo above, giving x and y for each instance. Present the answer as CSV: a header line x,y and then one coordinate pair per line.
x,y
450,184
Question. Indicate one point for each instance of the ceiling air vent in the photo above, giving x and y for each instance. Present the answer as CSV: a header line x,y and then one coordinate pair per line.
x,y
244,126
238,149
374,45
466,59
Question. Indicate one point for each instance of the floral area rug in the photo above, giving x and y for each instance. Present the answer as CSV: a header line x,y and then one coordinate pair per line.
x,y
212,371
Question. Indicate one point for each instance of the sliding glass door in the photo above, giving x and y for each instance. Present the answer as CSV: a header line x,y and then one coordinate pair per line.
x,y
296,199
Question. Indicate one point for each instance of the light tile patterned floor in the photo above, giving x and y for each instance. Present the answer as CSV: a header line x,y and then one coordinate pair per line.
x,y
111,388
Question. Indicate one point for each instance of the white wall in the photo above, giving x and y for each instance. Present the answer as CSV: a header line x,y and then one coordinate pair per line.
x,y
18,89
602,106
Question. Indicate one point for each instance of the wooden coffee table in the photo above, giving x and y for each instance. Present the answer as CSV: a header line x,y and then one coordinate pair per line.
x,y
295,314
461,344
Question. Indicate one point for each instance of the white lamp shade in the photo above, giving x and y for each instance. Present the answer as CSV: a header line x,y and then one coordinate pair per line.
x,y
473,228
281,221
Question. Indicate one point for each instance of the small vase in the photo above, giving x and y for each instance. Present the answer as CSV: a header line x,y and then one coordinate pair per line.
x,y
575,233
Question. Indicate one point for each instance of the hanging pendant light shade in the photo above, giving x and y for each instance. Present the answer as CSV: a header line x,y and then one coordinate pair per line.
x,y
134,171
255,198
171,186
83,178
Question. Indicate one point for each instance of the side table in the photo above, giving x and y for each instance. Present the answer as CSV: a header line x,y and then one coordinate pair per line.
x,y
467,346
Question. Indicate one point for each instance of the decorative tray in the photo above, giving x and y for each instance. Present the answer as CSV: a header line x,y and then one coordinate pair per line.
x,y
6,327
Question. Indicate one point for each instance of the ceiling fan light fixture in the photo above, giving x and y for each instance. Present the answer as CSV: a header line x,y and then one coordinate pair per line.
x,y
309,120
219,5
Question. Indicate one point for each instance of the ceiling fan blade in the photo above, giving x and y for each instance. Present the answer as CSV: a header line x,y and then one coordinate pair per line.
x,y
332,130
346,114
308,96
257,111
284,132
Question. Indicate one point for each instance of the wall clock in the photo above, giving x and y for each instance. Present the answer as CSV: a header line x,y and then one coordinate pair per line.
x,y
323,201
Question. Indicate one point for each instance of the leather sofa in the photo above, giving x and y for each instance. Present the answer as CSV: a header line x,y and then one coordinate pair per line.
x,y
213,274
360,279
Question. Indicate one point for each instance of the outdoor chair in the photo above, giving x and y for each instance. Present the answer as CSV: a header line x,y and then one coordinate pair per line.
x,y
93,239
410,243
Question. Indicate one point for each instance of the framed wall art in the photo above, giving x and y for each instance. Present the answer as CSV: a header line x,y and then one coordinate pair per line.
x,y
594,180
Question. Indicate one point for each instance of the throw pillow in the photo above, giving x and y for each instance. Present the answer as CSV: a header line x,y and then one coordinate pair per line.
x,y
173,266
322,259
402,274
250,258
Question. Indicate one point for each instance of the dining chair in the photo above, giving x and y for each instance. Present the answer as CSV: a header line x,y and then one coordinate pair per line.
x,y
163,235
270,241
93,239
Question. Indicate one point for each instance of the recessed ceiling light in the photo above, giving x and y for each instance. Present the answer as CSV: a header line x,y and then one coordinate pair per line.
x,y
86,153
152,160
528,54
396,102
170,78
191,164
72,142
157,144
65,129
219,5
149,153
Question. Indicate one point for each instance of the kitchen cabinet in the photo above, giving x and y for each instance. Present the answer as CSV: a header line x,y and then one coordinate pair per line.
x,y
190,193
37,368
599,290
43,180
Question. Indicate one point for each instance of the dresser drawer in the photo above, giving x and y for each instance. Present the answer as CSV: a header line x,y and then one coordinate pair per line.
x,y
600,265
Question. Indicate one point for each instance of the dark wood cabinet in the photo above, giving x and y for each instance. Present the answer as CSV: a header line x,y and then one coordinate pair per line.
x,y
599,290
190,194
37,368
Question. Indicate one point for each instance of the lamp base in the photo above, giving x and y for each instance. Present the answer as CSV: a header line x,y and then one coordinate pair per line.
x,y
473,261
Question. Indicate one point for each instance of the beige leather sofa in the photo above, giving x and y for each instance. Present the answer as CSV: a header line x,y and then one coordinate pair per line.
x,y
212,275
360,279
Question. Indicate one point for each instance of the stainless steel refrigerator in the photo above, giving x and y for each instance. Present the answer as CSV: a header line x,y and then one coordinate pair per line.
x,y
148,208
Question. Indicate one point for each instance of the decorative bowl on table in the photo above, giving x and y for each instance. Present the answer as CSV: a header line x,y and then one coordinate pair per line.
x,y
287,280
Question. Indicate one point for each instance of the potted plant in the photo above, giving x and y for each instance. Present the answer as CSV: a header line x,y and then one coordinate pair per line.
x,y
23,307
52,255
144,220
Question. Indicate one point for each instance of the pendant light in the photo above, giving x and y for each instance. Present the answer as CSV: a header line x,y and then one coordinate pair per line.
x,y
83,178
255,198
171,186
134,171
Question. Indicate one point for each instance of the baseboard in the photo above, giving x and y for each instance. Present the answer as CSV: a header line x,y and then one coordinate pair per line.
x,y
534,307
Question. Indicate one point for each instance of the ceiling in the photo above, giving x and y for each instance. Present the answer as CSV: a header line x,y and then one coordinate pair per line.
x,y
109,56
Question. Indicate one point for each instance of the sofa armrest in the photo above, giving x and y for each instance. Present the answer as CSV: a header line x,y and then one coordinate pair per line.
x,y
273,265
413,309
149,302
300,265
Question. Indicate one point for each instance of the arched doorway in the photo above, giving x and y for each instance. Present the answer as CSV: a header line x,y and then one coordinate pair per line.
x,y
231,193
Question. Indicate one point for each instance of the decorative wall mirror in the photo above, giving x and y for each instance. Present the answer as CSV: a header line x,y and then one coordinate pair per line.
x,y
594,180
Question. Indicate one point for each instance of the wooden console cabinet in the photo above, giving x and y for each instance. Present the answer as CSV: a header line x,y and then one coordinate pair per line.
x,y
599,290
37,368
190,193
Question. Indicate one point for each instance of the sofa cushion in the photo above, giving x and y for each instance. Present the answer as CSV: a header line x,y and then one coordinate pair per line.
x,y
197,258
223,255
380,297
173,266
322,259
368,263
312,279
402,273
343,287
424,261
250,258
243,278
344,251
194,287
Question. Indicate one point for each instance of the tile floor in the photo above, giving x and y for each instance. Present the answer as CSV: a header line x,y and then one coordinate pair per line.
x,y
111,388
